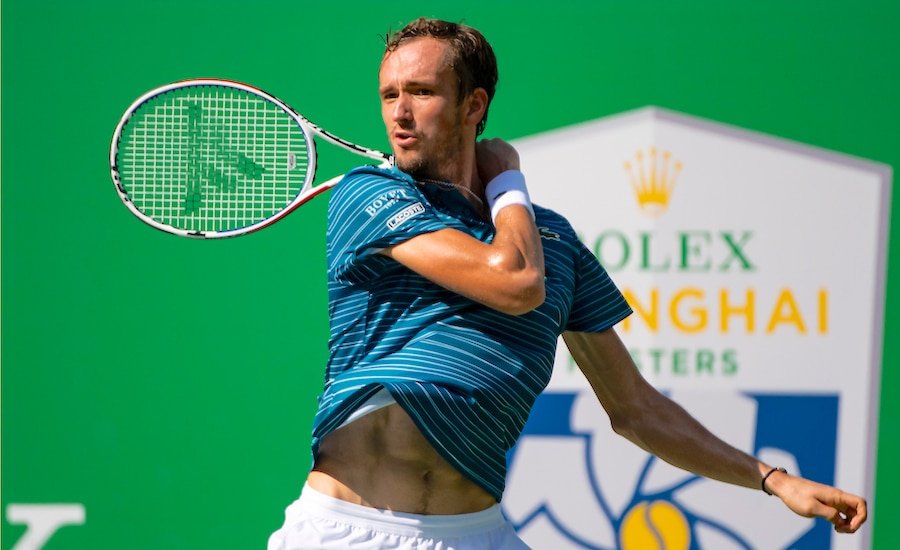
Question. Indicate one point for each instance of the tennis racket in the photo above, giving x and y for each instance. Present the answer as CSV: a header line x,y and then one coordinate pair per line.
x,y
215,158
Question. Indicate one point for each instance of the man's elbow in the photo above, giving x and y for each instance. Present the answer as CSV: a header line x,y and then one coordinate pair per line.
x,y
528,293
520,284
622,426
636,423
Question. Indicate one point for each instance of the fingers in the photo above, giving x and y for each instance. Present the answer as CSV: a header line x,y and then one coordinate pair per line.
x,y
845,511
850,513
494,156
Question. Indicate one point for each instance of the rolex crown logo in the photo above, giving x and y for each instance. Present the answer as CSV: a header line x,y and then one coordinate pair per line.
x,y
653,178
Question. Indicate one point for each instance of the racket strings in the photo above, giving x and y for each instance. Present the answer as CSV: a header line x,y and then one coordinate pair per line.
x,y
210,158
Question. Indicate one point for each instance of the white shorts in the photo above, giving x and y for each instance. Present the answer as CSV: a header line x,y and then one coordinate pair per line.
x,y
317,521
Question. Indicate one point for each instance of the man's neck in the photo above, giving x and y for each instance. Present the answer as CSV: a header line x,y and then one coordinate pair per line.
x,y
469,183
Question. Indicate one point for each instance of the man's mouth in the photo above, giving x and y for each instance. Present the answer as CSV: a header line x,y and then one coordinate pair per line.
x,y
404,139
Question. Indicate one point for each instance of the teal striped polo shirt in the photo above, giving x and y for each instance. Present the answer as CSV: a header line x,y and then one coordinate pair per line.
x,y
466,374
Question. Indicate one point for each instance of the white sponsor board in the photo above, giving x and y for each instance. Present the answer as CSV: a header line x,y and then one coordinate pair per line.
x,y
756,270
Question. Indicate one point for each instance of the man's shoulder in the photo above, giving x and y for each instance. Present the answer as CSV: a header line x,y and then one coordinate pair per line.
x,y
366,183
372,172
553,224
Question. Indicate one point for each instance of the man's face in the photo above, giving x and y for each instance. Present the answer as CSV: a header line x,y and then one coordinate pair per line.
x,y
419,106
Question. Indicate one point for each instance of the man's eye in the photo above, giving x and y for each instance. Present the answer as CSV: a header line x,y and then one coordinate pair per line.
x,y
423,92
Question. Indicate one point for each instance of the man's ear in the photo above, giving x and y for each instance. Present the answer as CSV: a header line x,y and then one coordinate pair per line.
x,y
476,106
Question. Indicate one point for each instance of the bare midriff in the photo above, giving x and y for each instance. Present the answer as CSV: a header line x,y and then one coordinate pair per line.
x,y
382,460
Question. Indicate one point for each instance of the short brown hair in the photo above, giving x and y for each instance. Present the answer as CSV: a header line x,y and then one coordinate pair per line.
x,y
471,56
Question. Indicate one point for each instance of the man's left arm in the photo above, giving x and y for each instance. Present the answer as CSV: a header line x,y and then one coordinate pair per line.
x,y
640,413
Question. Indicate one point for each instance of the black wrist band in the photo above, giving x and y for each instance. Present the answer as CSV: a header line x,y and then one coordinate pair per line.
x,y
765,477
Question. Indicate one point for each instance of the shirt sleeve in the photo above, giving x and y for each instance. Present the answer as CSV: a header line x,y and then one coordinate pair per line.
x,y
371,210
598,304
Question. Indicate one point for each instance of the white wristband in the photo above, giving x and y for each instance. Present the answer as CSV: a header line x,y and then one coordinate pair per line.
x,y
507,189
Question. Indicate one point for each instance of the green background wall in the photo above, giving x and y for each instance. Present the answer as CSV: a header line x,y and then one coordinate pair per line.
x,y
169,384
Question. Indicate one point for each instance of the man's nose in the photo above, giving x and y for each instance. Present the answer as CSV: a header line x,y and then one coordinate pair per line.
x,y
401,110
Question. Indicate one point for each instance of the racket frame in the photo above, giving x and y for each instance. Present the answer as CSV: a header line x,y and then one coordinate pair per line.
x,y
307,192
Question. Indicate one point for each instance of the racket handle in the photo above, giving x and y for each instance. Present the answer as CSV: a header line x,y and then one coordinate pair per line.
x,y
330,183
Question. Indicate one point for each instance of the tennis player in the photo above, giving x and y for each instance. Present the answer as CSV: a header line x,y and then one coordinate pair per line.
x,y
448,291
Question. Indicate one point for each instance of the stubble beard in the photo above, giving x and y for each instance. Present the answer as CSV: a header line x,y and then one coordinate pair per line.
x,y
437,162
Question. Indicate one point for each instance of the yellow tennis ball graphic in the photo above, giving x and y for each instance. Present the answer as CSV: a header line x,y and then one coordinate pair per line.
x,y
657,525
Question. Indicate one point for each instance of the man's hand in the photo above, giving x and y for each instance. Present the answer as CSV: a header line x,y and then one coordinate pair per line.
x,y
847,512
493,157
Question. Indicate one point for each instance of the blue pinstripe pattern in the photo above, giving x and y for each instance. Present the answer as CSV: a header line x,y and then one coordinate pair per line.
x,y
466,374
